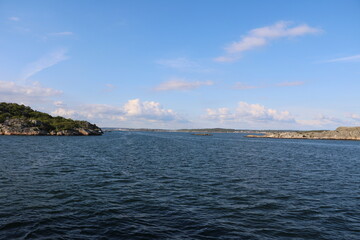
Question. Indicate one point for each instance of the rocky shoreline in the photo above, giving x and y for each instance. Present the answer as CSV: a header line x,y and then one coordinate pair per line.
x,y
341,133
37,128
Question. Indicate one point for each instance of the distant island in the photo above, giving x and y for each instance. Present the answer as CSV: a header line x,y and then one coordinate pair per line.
x,y
18,119
341,133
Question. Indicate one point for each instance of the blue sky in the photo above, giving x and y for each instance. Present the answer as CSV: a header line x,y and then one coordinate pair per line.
x,y
185,64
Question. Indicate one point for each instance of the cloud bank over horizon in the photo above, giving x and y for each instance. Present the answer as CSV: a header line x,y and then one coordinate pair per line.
x,y
133,110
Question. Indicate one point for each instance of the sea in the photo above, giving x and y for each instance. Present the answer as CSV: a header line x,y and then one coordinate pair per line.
x,y
161,185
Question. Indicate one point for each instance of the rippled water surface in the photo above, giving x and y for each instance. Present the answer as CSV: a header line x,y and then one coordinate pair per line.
x,y
144,185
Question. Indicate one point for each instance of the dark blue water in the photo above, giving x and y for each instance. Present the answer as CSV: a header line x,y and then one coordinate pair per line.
x,y
143,185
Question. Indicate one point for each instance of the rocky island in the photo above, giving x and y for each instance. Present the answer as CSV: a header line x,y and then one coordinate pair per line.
x,y
18,119
341,133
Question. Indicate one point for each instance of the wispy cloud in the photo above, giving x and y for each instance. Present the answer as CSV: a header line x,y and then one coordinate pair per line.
x,y
109,88
59,103
178,63
61,34
259,37
45,62
345,59
183,64
323,120
181,84
355,117
15,19
290,84
244,86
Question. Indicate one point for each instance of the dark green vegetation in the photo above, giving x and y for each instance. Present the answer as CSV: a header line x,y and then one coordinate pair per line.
x,y
16,111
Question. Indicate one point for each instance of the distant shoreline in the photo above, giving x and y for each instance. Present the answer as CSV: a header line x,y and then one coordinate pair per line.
x,y
341,133
201,130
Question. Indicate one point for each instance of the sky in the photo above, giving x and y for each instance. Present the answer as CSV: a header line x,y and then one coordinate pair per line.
x,y
185,64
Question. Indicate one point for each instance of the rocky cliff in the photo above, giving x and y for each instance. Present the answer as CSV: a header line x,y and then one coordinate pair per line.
x,y
21,120
341,133
35,127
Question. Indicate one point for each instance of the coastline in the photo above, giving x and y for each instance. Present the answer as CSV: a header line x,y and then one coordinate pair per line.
x,y
341,133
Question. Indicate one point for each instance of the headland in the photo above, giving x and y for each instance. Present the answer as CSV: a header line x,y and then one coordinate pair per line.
x,y
18,119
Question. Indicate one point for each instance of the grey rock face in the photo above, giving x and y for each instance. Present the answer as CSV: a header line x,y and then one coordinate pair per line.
x,y
21,127
35,127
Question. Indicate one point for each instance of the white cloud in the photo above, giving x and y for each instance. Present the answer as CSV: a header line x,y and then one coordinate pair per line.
x,y
249,113
262,36
15,19
91,111
45,62
345,59
290,84
152,111
30,93
261,113
181,84
62,34
220,114
258,116
132,110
